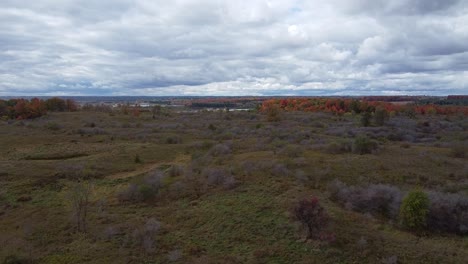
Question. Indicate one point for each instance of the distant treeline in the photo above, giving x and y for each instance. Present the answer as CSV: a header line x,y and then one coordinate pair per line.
x,y
33,108
341,106
451,100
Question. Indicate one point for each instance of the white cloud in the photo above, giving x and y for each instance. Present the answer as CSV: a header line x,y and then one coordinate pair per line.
x,y
221,47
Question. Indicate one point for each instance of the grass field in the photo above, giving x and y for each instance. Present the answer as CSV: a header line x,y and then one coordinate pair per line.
x,y
219,187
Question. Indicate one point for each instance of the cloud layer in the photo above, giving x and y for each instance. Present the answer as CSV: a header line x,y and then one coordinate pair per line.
x,y
216,47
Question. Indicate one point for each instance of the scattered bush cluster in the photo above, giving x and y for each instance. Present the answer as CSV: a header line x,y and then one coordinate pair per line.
x,y
416,210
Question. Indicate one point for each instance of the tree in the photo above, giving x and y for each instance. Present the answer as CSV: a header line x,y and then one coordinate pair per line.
x,y
56,104
380,116
365,118
273,113
355,106
71,105
156,110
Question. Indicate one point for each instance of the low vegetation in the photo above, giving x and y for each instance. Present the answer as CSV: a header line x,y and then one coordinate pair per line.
x,y
298,181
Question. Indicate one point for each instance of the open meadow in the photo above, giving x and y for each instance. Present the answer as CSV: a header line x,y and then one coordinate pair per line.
x,y
226,187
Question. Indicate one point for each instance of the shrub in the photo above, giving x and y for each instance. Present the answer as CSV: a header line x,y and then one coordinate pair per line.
x,y
414,210
364,145
146,192
173,140
137,159
145,236
129,194
143,191
174,255
214,176
375,198
79,198
341,146
212,127
292,151
220,150
280,170
444,212
448,213
194,184
230,182
312,215
175,170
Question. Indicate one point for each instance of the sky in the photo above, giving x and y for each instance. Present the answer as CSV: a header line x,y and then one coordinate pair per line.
x,y
233,48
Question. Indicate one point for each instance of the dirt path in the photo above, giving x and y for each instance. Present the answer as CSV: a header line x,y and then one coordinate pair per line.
x,y
181,159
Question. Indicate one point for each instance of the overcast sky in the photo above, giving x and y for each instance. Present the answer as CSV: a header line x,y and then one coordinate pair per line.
x,y
216,47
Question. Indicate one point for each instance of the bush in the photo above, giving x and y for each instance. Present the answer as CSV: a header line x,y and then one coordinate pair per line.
x,y
146,192
173,140
444,212
215,176
176,170
375,199
137,159
220,150
79,198
341,146
145,236
194,183
143,191
448,213
292,151
312,215
280,170
414,210
364,145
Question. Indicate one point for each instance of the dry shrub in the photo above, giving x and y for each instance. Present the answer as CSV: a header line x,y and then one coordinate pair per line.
x,y
145,191
313,216
375,198
220,150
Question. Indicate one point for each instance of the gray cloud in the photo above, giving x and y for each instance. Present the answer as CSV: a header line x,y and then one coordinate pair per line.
x,y
212,47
